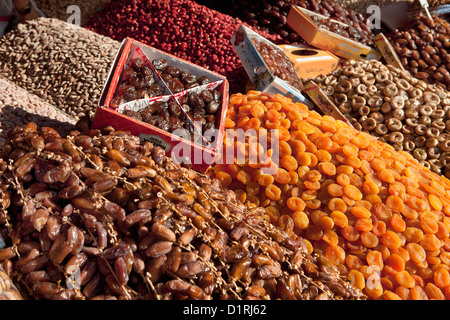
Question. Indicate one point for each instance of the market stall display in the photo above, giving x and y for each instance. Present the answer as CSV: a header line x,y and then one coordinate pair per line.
x,y
100,215
423,46
377,214
63,64
334,186
183,28
396,108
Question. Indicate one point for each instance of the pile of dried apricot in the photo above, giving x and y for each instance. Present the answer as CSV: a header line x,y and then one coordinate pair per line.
x,y
381,217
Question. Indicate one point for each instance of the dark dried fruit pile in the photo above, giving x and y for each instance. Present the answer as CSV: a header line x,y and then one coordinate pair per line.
x,y
98,215
271,16
181,27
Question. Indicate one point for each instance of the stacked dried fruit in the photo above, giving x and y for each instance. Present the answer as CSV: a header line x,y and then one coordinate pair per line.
x,y
181,27
271,16
396,108
423,47
98,215
376,213
61,63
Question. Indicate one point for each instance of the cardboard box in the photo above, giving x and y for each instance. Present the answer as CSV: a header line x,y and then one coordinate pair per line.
x,y
259,73
322,101
310,62
300,20
181,147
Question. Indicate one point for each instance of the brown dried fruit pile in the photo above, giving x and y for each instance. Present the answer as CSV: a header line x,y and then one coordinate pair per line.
x,y
98,215
61,63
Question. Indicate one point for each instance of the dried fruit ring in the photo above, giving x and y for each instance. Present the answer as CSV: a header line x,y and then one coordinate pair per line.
x,y
329,80
348,70
415,93
420,129
368,79
445,161
438,124
396,137
329,90
398,114
445,146
364,110
372,89
431,98
378,116
438,114
426,164
361,89
340,98
409,145
433,153
403,84
345,108
375,101
381,129
381,76
393,124
369,124
358,102
397,102
390,90
420,154
344,86
355,82
432,132
359,72
426,110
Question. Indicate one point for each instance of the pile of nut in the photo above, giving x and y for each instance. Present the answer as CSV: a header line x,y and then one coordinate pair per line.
x,y
100,215
61,63
395,107
423,47
18,107
277,62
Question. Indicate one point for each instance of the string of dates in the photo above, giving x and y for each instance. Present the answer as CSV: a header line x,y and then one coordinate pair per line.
x,y
100,215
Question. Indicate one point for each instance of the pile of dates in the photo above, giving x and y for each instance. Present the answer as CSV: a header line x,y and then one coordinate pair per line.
x,y
99,215
177,80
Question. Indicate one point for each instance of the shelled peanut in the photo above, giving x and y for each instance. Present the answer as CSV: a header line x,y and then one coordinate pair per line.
x,y
100,215
423,47
395,107
378,215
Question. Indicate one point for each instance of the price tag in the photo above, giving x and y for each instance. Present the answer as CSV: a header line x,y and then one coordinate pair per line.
x,y
425,5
